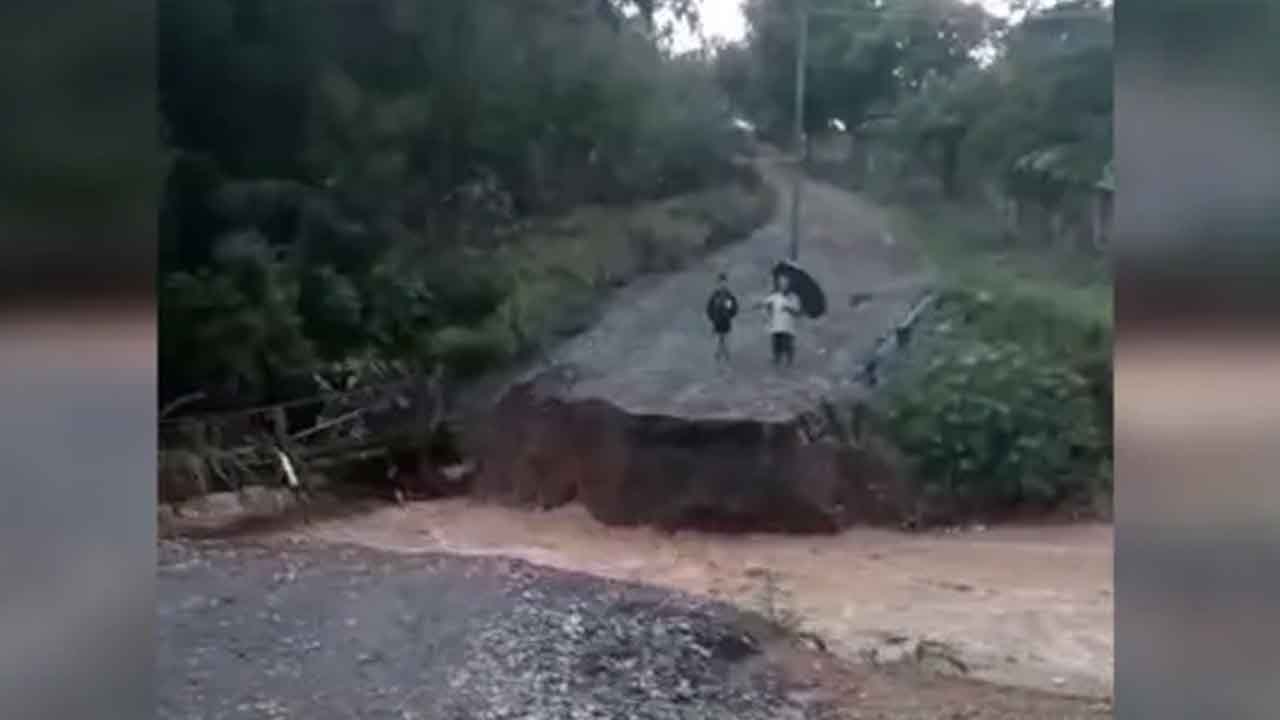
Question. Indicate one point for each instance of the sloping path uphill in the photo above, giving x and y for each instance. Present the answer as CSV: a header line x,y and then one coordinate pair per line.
x,y
652,351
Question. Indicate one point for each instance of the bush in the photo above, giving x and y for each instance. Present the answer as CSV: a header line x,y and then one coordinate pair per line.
x,y
1012,406
734,211
466,290
555,303
233,326
996,422
468,352
331,309
576,306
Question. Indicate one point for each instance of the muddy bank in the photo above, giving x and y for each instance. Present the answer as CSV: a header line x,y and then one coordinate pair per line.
x,y
539,449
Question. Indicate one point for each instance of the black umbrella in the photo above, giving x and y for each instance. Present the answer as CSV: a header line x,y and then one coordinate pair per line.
x,y
812,300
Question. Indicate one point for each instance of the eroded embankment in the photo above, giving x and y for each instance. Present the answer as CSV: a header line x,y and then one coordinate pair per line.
x,y
541,449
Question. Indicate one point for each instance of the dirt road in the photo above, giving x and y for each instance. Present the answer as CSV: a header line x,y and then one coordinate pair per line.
x,y
1018,606
652,352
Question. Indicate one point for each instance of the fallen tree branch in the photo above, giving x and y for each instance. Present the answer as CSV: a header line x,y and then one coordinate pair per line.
x,y
328,424
255,455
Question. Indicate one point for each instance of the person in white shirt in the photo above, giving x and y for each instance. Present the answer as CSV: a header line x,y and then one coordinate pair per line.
x,y
782,308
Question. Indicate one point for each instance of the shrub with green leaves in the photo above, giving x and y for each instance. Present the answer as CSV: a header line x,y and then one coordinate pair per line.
x,y
234,325
997,414
469,351
466,289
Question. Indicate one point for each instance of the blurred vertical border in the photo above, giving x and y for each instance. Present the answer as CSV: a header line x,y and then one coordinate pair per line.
x,y
1198,359
79,174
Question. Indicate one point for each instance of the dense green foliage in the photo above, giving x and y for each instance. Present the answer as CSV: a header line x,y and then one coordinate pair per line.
x,y
1007,400
342,173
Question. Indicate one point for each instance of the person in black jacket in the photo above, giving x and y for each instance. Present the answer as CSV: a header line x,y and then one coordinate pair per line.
x,y
722,307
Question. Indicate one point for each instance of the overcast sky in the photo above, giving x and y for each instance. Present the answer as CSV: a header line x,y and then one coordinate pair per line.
x,y
723,19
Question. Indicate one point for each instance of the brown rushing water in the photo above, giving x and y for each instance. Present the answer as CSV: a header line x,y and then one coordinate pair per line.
x,y
1027,606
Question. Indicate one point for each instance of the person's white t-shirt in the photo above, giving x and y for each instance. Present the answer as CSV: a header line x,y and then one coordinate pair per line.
x,y
777,306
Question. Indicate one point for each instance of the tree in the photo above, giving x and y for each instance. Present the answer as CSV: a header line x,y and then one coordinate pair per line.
x,y
1054,90
862,55
1043,101
360,152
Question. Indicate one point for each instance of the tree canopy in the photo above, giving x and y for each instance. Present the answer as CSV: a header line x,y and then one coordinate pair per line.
x,y
338,171
862,55
333,166
1019,101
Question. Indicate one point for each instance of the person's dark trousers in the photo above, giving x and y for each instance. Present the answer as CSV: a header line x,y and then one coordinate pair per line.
x,y
722,346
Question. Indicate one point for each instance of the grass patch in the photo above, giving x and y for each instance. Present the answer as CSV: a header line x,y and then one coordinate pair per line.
x,y
472,350
965,247
1003,403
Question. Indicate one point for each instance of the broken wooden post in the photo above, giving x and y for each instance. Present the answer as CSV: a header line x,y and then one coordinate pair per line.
x,y
428,402
288,460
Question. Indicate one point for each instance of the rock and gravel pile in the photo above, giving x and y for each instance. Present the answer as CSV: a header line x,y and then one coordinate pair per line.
x,y
607,657
323,632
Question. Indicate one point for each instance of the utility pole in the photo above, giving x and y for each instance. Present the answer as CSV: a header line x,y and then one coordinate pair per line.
x,y
802,52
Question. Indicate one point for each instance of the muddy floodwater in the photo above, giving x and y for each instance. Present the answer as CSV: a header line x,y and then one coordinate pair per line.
x,y
1024,606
